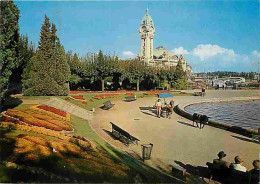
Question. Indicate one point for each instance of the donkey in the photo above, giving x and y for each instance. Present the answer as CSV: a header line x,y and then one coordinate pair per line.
x,y
200,120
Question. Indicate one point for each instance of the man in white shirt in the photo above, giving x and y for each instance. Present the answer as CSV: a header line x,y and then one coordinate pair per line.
x,y
158,105
238,165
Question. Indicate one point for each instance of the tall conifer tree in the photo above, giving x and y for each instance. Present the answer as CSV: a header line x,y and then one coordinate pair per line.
x,y
180,77
49,70
9,37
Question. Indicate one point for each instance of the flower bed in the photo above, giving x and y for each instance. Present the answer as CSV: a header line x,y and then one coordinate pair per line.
x,y
63,124
40,120
156,92
130,94
105,96
37,146
52,109
40,130
79,97
66,118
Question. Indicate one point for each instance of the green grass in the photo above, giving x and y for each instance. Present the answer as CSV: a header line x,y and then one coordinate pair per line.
x,y
23,107
35,97
82,128
97,103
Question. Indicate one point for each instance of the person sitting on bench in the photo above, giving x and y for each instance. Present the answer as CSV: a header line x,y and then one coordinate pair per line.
x,y
238,165
221,166
254,173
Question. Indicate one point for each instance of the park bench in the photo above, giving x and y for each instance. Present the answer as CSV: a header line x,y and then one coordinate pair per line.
x,y
197,94
123,136
230,175
108,105
130,98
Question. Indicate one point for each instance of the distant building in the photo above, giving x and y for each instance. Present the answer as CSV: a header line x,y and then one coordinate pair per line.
x,y
160,57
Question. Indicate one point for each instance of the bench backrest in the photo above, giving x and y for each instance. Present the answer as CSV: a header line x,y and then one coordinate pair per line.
x,y
107,103
123,132
120,130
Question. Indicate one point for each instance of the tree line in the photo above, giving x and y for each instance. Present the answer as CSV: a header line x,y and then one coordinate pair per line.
x,y
49,70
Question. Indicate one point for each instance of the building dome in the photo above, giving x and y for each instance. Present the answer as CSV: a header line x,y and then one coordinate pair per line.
x,y
147,19
161,51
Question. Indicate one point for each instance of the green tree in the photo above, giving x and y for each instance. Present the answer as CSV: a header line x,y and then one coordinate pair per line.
x,y
59,72
134,70
104,67
180,77
9,37
78,71
25,52
48,72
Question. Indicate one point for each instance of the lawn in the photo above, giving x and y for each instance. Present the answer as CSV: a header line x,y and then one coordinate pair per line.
x,y
94,103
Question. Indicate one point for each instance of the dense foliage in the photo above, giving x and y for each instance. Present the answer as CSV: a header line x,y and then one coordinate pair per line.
x,y
48,72
106,71
9,37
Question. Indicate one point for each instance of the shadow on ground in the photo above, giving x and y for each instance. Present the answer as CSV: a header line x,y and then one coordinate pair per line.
x,y
198,171
243,138
187,124
9,103
150,114
139,172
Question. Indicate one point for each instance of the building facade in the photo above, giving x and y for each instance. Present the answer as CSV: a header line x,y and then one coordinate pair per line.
x,y
160,57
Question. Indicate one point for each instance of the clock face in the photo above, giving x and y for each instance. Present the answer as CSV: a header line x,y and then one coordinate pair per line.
x,y
144,29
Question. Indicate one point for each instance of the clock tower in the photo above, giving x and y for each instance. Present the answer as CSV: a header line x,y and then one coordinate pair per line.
x,y
146,32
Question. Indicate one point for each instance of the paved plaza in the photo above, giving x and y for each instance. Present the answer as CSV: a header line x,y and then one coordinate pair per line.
x,y
176,141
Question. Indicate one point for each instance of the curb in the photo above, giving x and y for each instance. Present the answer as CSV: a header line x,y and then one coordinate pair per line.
x,y
180,109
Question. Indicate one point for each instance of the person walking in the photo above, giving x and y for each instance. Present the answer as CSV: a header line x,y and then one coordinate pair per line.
x,y
158,105
203,91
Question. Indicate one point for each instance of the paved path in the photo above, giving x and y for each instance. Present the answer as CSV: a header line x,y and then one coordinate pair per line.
x,y
175,140
69,107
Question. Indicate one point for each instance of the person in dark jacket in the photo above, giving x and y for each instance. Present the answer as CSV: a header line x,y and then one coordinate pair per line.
x,y
254,173
221,167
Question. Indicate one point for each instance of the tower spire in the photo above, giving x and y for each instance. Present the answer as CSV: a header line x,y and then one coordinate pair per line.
x,y
147,11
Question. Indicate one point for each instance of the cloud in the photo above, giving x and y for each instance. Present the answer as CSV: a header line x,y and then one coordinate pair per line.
x,y
256,54
128,54
180,50
208,57
205,51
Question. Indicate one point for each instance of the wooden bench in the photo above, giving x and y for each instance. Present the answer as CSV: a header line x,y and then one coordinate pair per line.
x,y
108,105
228,175
130,98
123,136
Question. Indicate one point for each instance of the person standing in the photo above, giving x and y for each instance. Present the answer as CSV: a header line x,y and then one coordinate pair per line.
x,y
170,109
203,90
158,105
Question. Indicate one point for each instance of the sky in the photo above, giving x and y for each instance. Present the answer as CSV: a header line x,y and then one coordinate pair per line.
x,y
212,35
